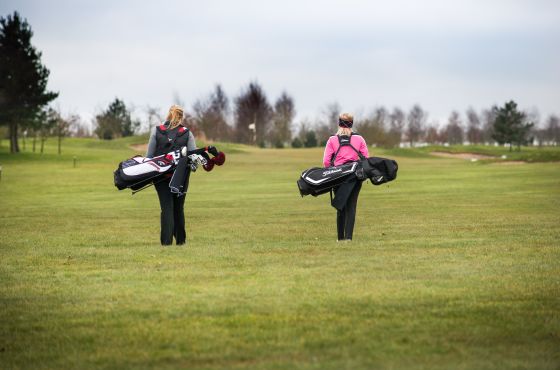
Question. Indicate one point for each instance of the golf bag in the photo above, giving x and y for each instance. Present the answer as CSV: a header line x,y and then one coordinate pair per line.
x,y
316,181
138,172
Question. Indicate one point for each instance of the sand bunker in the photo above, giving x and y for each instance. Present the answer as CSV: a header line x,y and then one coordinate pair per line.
x,y
468,156
141,148
475,157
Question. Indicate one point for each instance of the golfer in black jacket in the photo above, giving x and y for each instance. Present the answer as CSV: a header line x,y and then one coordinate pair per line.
x,y
169,136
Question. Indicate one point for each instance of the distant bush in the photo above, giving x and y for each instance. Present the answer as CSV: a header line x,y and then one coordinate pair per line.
x,y
310,139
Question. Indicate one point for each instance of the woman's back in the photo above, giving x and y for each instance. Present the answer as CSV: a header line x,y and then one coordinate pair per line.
x,y
346,153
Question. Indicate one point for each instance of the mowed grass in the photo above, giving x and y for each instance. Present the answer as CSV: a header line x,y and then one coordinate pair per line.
x,y
499,153
455,265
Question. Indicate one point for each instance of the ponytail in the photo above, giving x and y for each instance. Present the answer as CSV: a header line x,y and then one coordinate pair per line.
x,y
175,116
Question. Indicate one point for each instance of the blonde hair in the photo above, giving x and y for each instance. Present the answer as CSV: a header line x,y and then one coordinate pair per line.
x,y
345,131
175,116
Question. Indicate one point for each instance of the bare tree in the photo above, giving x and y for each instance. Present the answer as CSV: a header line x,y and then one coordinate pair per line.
x,y
78,128
416,124
373,129
212,115
48,119
219,103
327,124
252,107
323,132
535,132
552,130
299,138
488,119
397,123
539,134
454,129
284,113
330,114
62,127
432,135
474,132
153,118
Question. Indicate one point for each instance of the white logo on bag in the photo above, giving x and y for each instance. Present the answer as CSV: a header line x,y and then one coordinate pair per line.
x,y
325,173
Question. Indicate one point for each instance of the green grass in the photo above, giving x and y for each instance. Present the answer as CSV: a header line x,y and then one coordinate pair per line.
x,y
526,154
455,265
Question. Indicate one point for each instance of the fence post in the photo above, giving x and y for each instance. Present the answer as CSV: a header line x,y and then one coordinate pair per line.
x,y
75,159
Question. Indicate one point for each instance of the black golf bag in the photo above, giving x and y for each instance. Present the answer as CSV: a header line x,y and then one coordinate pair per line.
x,y
317,181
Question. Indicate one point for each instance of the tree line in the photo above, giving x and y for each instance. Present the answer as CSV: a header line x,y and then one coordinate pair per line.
x,y
253,120
248,118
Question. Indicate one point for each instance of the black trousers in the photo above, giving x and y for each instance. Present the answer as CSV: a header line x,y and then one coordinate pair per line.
x,y
346,217
172,215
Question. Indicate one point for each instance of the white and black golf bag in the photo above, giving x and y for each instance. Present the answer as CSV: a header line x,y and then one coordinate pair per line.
x,y
316,181
137,172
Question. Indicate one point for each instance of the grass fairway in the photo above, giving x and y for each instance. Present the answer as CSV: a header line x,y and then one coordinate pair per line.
x,y
455,265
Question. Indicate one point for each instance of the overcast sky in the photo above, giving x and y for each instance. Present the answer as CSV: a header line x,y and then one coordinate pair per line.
x,y
444,55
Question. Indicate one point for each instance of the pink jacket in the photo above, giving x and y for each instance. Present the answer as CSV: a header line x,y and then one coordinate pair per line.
x,y
346,154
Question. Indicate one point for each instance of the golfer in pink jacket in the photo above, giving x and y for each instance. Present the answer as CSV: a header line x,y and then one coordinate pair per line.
x,y
342,148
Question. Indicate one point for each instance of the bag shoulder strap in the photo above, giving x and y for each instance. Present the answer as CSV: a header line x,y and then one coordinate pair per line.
x,y
182,130
342,141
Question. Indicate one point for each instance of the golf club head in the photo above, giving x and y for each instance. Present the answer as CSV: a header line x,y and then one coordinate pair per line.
x,y
219,159
209,166
212,150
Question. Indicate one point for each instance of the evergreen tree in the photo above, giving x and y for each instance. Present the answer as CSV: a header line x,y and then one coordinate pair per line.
x,y
296,143
310,139
23,79
510,125
115,122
